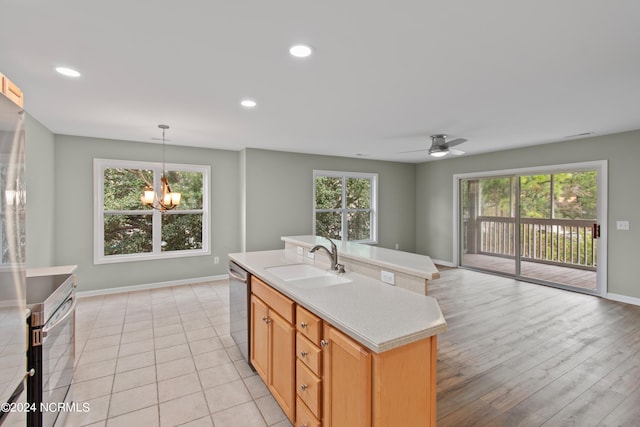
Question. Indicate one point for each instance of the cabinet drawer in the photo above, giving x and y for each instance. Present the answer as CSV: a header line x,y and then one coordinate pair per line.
x,y
274,299
308,387
309,325
309,354
304,416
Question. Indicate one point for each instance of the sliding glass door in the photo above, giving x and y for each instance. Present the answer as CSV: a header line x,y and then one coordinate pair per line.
x,y
539,227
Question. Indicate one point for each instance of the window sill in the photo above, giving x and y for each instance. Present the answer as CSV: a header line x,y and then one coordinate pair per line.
x,y
113,259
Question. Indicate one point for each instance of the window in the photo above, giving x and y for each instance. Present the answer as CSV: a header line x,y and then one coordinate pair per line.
x,y
345,206
127,230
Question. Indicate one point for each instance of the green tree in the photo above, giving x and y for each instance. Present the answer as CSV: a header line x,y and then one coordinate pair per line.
x,y
575,195
535,196
496,197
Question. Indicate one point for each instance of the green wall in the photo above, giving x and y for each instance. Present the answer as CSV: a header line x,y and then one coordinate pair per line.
x,y
40,175
279,190
434,196
259,195
74,218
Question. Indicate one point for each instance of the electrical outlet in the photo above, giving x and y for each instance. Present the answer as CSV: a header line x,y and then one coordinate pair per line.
x,y
388,277
622,225
300,250
216,260
397,246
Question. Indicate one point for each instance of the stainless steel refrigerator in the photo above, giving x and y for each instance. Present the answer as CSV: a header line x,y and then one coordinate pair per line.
x,y
13,311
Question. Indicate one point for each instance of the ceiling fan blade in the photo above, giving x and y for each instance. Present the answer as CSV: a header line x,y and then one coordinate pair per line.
x,y
412,151
455,151
456,142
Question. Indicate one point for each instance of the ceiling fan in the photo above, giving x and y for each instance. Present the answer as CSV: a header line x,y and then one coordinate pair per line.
x,y
440,147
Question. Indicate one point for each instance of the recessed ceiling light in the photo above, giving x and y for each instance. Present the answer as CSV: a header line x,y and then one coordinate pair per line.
x,y
248,103
300,50
69,72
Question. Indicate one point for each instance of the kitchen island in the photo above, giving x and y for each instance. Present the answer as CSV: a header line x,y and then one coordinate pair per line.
x,y
341,349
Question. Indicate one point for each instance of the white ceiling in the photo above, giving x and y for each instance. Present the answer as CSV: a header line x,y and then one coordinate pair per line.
x,y
384,76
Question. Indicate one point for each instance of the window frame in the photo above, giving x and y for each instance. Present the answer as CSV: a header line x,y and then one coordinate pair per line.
x,y
99,165
373,177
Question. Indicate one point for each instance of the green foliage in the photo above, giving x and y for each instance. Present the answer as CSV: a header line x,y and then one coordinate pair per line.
x,y
496,199
328,192
127,234
181,232
190,185
359,225
535,196
574,196
358,193
123,188
329,224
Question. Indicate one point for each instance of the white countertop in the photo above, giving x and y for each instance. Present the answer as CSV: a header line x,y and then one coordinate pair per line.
x,y
379,316
51,271
404,262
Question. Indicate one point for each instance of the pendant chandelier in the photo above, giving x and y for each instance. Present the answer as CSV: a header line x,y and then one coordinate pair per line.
x,y
167,200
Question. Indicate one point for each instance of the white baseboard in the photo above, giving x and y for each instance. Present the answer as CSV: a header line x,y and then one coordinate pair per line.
x,y
623,298
109,291
445,263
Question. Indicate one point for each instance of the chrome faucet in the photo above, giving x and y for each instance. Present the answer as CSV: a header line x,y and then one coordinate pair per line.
x,y
333,253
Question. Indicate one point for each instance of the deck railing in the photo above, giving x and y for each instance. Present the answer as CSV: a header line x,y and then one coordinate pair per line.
x,y
552,241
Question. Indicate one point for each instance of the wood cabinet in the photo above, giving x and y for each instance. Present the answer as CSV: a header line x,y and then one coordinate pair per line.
x,y
260,337
11,90
273,343
347,381
363,388
404,385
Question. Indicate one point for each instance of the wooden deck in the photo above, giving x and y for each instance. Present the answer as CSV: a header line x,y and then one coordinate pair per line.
x,y
520,354
567,276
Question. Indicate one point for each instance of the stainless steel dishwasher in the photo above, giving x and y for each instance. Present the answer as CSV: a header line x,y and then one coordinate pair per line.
x,y
51,352
239,297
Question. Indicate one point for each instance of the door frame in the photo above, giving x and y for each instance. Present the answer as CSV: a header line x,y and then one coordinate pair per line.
x,y
601,166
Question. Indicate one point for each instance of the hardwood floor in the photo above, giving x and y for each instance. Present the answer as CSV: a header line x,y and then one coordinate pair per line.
x,y
577,278
519,354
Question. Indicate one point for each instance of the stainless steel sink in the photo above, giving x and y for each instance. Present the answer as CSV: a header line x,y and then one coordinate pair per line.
x,y
307,276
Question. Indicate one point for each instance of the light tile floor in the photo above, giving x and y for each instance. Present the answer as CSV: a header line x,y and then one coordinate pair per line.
x,y
164,357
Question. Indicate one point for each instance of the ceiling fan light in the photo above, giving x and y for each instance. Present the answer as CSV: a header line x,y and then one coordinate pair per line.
x,y
438,153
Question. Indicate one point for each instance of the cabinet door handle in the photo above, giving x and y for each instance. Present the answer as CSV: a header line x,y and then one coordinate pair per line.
x,y
303,353
303,325
303,425
324,343
303,387
266,320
